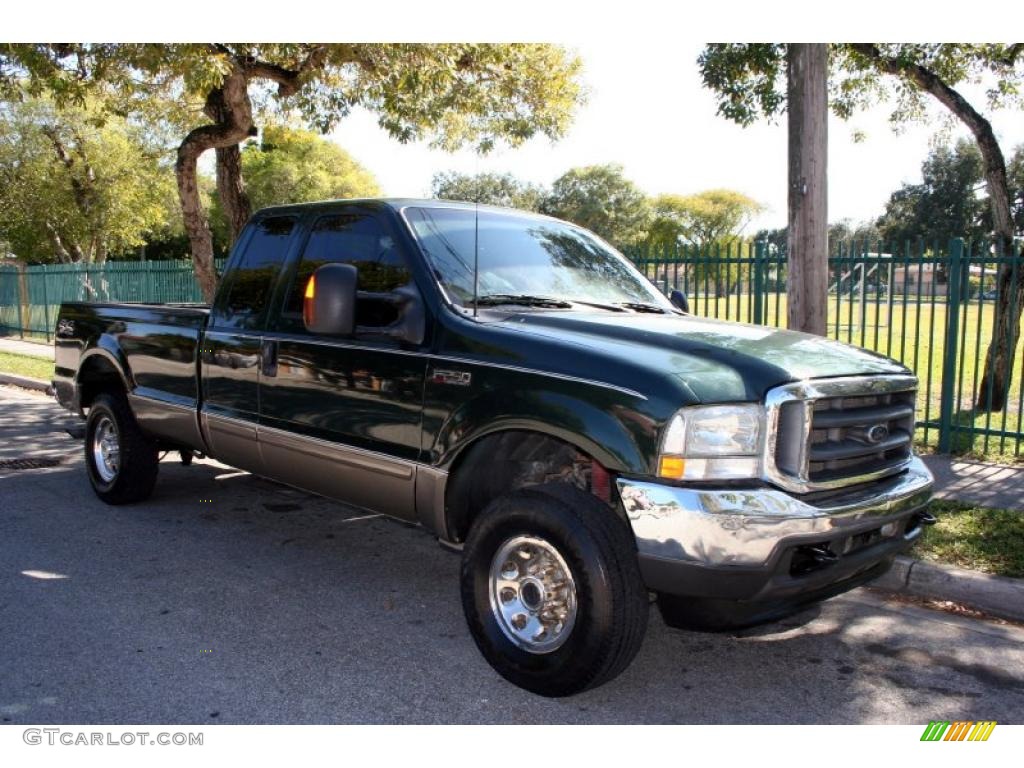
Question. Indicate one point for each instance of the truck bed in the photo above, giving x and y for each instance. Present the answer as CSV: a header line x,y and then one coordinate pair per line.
x,y
155,345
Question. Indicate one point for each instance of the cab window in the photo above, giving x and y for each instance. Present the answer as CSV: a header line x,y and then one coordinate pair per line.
x,y
250,281
350,238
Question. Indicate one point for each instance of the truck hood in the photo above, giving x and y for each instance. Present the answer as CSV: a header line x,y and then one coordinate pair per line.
x,y
718,361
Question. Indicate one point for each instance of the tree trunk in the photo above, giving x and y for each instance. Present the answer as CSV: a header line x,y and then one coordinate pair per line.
x,y
230,185
231,190
1010,294
807,290
233,123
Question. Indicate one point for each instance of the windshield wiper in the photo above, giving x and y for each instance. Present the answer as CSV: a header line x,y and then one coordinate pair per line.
x,y
599,305
639,306
523,299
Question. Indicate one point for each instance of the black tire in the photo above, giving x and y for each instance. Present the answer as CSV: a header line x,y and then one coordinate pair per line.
x,y
611,601
137,462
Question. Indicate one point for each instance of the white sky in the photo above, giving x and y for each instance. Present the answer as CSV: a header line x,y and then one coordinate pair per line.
x,y
654,117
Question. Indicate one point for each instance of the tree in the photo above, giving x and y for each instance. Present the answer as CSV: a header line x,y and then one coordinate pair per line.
x,y
747,76
453,94
502,189
945,204
76,187
1015,173
602,199
865,234
715,215
297,166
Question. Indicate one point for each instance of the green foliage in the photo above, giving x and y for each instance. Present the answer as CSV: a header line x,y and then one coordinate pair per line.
x,y
602,199
861,235
502,189
77,185
296,166
453,94
750,78
946,202
1015,176
715,215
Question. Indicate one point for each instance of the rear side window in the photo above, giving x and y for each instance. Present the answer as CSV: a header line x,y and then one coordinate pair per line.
x,y
252,279
350,238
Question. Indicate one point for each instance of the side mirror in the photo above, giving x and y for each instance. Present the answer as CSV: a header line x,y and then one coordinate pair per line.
x,y
679,301
329,302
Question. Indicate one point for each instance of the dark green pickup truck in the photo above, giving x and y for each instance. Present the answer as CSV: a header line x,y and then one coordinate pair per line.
x,y
513,384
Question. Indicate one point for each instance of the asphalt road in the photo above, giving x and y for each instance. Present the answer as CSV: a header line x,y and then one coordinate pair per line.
x,y
229,599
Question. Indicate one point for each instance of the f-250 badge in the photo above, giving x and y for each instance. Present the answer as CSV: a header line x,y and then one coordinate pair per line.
x,y
458,378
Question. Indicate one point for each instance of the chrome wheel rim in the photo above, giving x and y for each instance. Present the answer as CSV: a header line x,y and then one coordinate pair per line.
x,y
532,594
106,449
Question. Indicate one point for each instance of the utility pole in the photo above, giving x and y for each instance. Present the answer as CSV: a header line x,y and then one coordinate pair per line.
x,y
807,284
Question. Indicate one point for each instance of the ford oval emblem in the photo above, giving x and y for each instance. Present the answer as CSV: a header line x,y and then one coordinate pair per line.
x,y
878,433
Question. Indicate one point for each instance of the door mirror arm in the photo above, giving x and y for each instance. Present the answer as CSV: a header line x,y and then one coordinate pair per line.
x,y
410,326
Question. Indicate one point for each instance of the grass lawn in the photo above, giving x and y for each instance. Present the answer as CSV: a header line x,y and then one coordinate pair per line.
x,y
980,539
23,365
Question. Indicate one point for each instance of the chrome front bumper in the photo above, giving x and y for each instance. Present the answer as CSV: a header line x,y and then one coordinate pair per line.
x,y
746,528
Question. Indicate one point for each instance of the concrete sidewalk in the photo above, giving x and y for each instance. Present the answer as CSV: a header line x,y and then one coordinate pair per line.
x,y
975,482
30,348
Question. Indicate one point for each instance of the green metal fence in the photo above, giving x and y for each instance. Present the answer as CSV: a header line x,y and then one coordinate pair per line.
x,y
30,297
931,305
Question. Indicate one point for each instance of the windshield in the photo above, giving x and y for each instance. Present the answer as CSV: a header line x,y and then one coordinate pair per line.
x,y
523,256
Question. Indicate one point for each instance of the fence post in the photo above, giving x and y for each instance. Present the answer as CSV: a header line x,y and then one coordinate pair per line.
x,y
759,286
24,315
950,351
46,305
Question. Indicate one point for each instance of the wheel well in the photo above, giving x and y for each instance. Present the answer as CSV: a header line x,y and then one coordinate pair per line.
x,y
96,376
507,461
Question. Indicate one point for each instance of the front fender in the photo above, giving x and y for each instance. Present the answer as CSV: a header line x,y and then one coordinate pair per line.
x,y
610,425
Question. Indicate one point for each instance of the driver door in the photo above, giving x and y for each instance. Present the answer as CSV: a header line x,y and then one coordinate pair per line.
x,y
341,416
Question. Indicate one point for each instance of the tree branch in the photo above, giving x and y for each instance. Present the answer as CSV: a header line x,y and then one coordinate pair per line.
x,y
980,127
287,80
1012,53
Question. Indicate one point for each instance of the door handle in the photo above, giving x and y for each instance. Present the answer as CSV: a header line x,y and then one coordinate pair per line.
x,y
268,357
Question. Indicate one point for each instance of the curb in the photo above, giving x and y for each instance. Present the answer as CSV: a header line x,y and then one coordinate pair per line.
x,y
26,383
996,595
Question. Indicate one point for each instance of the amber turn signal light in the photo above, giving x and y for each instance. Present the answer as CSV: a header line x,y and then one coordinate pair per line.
x,y
671,467
307,301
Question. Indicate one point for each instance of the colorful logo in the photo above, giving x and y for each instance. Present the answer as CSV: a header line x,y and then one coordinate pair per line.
x,y
959,730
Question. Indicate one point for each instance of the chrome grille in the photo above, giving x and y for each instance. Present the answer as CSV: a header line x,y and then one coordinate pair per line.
x,y
857,435
829,433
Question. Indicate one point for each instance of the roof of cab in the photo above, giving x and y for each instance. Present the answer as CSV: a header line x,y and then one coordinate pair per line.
x,y
396,203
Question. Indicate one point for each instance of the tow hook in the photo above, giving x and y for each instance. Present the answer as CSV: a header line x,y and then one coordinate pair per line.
x,y
924,517
811,557
822,554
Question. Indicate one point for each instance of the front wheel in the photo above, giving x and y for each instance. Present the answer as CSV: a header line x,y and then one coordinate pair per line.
x,y
551,590
121,460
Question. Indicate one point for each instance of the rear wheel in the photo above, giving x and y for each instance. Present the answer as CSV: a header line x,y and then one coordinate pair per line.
x,y
121,460
552,591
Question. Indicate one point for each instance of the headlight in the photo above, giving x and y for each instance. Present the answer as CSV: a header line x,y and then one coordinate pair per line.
x,y
712,443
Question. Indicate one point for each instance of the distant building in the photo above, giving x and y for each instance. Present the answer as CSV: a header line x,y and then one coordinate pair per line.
x,y
918,280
